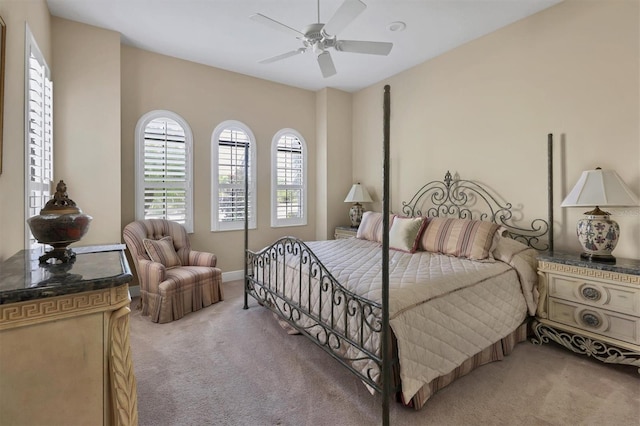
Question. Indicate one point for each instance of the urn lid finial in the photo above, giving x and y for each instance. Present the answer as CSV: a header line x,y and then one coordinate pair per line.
x,y
60,203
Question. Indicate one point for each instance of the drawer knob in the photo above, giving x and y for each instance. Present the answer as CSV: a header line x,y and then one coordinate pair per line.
x,y
591,293
590,319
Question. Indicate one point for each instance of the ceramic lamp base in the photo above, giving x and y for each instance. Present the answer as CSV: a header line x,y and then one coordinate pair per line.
x,y
355,214
598,235
598,257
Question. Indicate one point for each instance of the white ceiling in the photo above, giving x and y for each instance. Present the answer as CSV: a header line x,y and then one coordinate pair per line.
x,y
219,33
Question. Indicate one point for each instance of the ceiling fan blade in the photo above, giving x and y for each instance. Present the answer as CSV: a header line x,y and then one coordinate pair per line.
x,y
326,64
282,56
272,23
346,13
368,47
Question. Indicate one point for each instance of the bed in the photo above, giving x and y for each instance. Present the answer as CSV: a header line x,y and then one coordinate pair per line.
x,y
448,288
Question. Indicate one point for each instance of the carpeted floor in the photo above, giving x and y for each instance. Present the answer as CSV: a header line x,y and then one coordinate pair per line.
x,y
227,366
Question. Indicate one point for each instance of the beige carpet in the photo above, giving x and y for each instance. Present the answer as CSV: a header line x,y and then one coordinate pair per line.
x,y
227,366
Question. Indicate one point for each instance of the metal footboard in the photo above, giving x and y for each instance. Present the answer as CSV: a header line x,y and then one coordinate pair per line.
x,y
290,280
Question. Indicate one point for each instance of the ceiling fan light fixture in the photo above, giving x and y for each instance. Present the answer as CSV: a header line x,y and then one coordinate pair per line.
x,y
318,48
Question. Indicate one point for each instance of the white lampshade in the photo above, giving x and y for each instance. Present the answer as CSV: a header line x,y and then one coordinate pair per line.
x,y
600,188
596,231
358,194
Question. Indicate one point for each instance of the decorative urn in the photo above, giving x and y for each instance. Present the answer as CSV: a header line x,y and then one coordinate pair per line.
x,y
60,223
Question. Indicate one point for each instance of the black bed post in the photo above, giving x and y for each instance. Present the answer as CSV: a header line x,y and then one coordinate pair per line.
x,y
550,187
246,222
386,361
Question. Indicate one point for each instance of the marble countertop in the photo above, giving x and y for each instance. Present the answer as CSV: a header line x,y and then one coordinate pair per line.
x,y
95,267
622,266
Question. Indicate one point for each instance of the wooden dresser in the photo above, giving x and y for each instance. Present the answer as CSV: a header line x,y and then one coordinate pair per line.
x,y
64,340
589,307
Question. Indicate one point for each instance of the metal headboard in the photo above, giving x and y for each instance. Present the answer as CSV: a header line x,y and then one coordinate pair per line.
x,y
465,199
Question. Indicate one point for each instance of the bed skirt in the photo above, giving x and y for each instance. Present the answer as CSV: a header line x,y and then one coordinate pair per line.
x,y
495,352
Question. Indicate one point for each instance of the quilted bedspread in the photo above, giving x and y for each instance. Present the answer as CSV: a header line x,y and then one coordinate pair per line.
x,y
442,309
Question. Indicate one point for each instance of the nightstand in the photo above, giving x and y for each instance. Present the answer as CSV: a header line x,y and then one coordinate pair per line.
x,y
590,308
345,232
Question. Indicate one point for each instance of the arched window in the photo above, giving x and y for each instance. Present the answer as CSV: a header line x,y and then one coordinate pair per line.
x,y
233,149
164,160
288,179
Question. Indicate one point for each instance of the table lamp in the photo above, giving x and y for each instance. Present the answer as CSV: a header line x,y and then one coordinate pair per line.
x,y
597,233
358,194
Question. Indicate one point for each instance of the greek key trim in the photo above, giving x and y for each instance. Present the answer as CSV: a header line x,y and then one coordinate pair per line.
x,y
596,274
13,314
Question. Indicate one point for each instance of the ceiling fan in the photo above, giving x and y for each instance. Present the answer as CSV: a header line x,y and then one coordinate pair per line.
x,y
319,37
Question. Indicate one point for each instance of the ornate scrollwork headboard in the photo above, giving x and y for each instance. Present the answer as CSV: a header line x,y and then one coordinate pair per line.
x,y
466,199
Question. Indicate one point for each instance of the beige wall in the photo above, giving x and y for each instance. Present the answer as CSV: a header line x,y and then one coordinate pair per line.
x,y
322,161
485,109
204,97
85,70
86,76
333,130
12,186
339,125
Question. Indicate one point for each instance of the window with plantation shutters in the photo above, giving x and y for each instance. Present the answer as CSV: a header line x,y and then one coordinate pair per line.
x,y
163,168
288,179
38,133
232,154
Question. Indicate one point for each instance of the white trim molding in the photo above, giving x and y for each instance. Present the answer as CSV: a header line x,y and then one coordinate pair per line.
x,y
275,186
141,185
232,225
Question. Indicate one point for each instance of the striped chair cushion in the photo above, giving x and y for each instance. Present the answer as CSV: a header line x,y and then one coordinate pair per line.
x,y
459,237
162,251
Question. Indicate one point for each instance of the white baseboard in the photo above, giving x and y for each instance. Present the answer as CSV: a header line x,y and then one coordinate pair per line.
x,y
134,291
232,276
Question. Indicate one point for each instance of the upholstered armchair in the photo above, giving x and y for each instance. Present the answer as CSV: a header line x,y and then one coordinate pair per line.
x,y
174,280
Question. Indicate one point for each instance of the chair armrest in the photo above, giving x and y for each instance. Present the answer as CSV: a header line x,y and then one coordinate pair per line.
x,y
151,274
201,258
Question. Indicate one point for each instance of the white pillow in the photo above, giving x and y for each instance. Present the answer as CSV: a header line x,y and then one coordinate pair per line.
x,y
405,233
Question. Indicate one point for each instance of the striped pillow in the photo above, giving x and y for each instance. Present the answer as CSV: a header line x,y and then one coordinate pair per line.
x,y
459,237
371,226
162,251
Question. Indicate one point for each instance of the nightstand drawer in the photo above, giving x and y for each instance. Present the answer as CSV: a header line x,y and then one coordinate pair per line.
x,y
345,232
589,318
598,294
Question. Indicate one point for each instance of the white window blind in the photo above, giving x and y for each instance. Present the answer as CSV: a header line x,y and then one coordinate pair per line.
x,y
229,162
164,169
38,134
288,179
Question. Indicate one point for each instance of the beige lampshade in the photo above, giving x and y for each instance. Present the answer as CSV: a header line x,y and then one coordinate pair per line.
x,y
600,188
358,194
596,231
